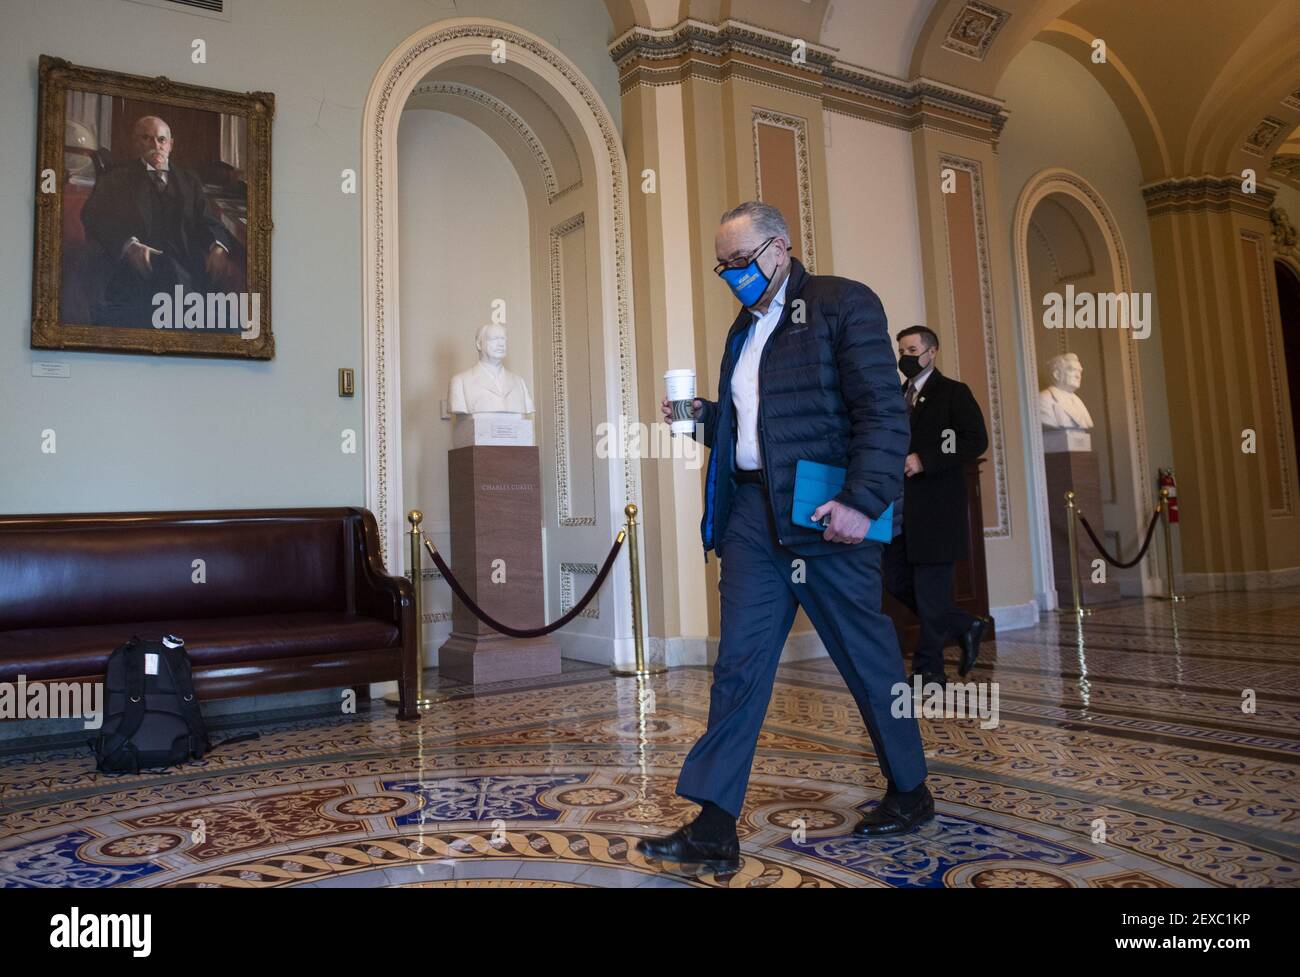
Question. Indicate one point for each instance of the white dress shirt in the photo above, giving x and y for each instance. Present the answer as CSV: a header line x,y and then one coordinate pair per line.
x,y
917,382
165,170
744,382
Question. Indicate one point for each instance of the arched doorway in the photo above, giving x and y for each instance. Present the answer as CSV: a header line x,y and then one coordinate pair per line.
x,y
552,186
1288,308
1065,236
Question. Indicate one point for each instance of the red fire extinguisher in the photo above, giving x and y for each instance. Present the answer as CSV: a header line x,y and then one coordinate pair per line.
x,y
1167,482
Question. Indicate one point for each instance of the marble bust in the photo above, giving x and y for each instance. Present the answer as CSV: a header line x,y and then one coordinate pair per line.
x,y
1059,407
488,387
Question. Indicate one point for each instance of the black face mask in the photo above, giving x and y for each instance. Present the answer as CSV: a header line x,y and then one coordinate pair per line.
x,y
909,365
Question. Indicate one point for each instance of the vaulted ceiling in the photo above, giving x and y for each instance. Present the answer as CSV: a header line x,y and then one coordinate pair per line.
x,y
1205,86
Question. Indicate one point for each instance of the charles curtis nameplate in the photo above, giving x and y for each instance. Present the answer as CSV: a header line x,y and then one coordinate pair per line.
x,y
492,429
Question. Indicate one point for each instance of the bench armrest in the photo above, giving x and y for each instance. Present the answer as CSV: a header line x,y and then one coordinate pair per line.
x,y
377,593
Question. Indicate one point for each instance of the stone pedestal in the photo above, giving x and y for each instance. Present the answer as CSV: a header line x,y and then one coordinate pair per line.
x,y
496,515
1076,469
492,429
1059,439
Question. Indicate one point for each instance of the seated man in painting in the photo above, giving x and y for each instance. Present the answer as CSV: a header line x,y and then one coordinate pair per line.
x,y
153,220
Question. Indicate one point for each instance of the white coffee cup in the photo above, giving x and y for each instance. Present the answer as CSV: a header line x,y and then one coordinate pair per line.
x,y
681,397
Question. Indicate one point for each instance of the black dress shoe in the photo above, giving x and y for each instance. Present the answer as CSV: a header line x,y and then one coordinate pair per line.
x,y
894,817
931,678
970,644
719,857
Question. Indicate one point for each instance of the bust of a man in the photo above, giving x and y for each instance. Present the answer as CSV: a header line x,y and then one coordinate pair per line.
x,y
1059,406
488,387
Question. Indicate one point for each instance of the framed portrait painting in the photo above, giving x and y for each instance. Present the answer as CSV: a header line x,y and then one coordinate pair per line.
x,y
153,216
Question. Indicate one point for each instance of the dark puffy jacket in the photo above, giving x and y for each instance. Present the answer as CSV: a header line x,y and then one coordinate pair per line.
x,y
829,392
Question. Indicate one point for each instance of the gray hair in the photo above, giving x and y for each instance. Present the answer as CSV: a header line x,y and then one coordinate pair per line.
x,y
767,220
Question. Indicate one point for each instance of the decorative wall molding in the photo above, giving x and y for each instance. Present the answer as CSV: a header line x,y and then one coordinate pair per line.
x,y
1284,233
973,30
1276,369
512,118
803,173
1212,193
922,104
732,50
1042,185
1286,166
560,377
415,61
408,66
567,573
1002,529
1263,135
658,49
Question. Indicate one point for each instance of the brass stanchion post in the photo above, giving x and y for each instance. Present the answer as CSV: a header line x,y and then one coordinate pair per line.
x,y
1173,594
1072,533
638,640
415,573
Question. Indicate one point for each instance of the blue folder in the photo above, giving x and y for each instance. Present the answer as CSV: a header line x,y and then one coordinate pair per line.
x,y
815,483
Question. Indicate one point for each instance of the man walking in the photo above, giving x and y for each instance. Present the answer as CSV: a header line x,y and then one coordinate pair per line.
x,y
947,431
807,372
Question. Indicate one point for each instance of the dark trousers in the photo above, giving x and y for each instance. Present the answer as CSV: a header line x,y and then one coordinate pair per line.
x,y
760,593
129,299
925,589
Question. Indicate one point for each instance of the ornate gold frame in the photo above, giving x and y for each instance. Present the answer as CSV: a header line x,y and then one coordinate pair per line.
x,y
57,77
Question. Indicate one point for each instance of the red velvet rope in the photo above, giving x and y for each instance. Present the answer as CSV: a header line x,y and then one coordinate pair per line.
x,y
1110,559
496,625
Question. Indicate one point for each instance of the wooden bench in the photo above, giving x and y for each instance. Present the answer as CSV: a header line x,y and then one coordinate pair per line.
x,y
268,601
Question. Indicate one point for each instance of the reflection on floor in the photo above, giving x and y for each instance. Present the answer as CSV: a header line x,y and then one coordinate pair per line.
x,y
1125,759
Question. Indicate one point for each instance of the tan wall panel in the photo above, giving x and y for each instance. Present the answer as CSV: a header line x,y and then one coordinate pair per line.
x,y
1257,328
1008,547
667,336
579,466
1217,325
779,177
968,313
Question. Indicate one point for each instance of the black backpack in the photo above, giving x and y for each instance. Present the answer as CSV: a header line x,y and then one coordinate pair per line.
x,y
151,716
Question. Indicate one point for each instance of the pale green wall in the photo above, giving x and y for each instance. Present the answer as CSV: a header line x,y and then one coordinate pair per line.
x,y
142,432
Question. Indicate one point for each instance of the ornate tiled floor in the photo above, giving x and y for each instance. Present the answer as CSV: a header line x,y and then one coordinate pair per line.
x,y
1122,760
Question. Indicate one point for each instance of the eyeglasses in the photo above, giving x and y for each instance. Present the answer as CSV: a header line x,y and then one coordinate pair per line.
x,y
736,263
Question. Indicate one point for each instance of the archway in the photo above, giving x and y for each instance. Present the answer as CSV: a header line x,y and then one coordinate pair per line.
x,y
1064,234
1288,308
547,120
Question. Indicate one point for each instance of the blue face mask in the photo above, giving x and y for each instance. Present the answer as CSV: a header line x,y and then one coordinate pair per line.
x,y
749,283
